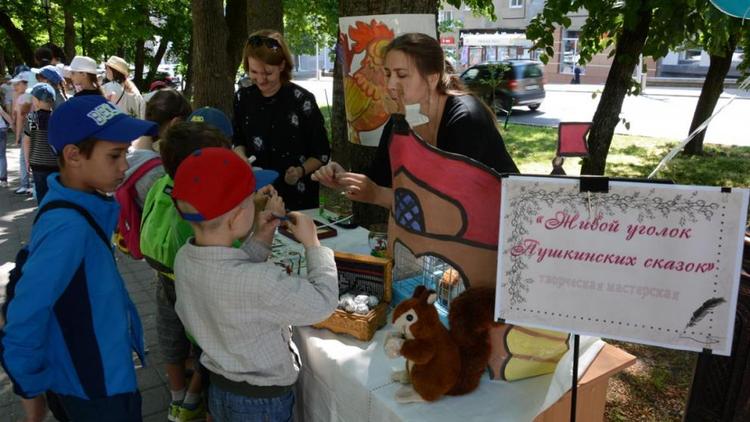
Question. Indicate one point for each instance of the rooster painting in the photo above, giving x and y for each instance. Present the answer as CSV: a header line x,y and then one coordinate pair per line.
x,y
365,92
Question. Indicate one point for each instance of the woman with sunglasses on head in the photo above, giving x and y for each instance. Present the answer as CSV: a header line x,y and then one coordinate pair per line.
x,y
279,122
439,110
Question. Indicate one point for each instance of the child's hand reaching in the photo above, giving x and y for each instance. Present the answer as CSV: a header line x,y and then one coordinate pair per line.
x,y
275,205
303,228
261,196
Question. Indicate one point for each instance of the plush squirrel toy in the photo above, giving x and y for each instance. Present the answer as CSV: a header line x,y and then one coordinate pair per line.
x,y
441,362
433,362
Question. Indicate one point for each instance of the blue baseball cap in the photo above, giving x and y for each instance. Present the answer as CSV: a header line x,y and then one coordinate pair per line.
x,y
43,92
49,73
91,116
213,117
264,177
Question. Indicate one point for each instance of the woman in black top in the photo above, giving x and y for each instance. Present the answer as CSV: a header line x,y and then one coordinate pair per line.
x,y
457,122
279,122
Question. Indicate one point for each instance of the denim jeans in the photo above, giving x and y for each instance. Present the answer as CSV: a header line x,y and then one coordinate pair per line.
x,y
24,181
124,407
40,184
228,407
3,159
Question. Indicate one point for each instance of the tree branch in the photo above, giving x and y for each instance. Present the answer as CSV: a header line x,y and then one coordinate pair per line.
x,y
17,37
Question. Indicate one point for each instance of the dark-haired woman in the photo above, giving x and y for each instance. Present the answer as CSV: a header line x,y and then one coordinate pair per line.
x,y
456,121
279,122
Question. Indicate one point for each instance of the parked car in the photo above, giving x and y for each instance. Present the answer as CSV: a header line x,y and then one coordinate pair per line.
x,y
518,83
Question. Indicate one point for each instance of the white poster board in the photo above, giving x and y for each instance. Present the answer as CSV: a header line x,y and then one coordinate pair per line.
x,y
361,43
648,263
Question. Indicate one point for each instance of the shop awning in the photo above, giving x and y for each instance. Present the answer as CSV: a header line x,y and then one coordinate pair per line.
x,y
497,39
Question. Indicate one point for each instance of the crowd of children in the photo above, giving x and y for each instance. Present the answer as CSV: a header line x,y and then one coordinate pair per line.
x,y
168,189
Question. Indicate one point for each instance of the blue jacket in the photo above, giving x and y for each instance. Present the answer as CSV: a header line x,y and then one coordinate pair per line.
x,y
71,326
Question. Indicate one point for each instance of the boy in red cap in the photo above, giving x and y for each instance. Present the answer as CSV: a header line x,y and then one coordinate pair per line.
x,y
236,304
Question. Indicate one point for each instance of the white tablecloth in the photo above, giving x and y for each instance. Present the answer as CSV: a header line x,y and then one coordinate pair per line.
x,y
343,379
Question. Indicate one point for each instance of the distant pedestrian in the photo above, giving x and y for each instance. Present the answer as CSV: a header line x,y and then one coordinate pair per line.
x,y
83,74
122,91
576,76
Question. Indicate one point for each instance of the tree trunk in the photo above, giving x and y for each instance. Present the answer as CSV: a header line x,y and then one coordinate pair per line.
x,y
358,158
188,89
262,14
140,60
156,60
237,19
69,34
713,86
628,49
213,86
18,38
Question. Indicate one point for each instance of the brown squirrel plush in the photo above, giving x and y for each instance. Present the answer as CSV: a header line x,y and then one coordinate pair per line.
x,y
438,361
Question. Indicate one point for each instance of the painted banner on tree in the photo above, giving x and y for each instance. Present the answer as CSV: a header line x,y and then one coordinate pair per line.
x,y
362,41
646,263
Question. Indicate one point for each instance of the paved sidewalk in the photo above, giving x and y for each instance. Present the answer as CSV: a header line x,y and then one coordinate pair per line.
x,y
16,215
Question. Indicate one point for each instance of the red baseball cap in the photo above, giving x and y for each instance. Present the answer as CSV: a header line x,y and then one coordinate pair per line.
x,y
213,181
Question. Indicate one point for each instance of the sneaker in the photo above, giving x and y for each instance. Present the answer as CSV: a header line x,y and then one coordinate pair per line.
x,y
3,183
174,411
21,191
192,412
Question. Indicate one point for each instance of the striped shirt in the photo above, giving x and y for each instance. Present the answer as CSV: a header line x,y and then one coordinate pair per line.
x,y
40,156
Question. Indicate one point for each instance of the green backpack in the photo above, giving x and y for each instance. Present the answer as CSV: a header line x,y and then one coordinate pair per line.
x,y
163,231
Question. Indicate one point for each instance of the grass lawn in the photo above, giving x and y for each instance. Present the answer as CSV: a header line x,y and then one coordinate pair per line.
x,y
633,156
655,388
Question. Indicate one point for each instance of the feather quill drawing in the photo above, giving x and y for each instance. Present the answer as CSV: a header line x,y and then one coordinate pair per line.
x,y
704,309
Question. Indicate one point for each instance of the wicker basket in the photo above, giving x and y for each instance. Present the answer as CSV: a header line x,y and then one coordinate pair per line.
x,y
361,273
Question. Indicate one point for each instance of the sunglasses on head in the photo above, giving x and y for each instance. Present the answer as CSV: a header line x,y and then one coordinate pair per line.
x,y
262,40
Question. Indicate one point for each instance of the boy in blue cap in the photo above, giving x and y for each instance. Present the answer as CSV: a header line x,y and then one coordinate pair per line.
x,y
70,324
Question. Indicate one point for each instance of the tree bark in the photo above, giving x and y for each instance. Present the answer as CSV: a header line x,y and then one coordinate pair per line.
x,y
262,14
3,64
358,158
628,49
713,86
212,85
156,60
237,20
69,34
17,37
140,60
188,88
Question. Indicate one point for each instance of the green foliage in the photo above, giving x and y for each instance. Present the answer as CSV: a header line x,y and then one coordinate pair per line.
x,y
450,25
674,23
495,76
310,22
484,8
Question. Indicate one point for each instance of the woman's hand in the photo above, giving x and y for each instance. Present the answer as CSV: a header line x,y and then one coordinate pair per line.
x,y
327,175
356,186
294,174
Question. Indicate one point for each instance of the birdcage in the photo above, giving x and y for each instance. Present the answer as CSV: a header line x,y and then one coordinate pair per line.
x,y
429,271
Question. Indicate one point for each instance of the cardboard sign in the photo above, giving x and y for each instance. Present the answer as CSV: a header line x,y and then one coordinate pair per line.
x,y
362,41
646,263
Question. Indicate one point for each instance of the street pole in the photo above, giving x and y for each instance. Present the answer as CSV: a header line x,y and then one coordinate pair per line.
x,y
317,59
